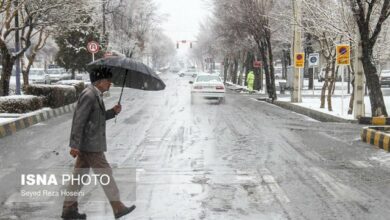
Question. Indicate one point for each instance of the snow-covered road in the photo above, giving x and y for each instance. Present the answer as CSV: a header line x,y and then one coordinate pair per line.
x,y
240,160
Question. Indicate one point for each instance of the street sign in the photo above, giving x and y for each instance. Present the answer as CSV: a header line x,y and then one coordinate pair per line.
x,y
93,47
299,60
314,59
257,64
343,54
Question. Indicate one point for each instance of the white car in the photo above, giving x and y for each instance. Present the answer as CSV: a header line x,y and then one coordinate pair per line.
x,y
278,71
384,78
209,87
38,76
57,74
189,72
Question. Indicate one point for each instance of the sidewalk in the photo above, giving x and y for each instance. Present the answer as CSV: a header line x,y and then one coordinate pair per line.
x,y
309,106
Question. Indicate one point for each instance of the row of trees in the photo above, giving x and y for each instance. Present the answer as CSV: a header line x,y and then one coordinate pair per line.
x,y
129,27
240,32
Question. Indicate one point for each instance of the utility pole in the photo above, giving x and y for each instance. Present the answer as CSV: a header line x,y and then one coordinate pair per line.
x,y
297,48
358,104
17,48
104,17
104,37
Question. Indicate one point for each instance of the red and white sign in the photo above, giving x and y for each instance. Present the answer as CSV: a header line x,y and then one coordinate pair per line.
x,y
93,47
257,64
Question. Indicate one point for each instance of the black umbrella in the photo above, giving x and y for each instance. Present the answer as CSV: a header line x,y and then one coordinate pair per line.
x,y
128,73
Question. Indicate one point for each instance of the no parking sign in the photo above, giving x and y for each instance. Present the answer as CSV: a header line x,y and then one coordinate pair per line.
x,y
343,54
299,60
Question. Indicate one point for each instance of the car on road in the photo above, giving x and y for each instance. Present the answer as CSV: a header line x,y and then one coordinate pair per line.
x,y
189,72
207,86
38,76
385,78
57,74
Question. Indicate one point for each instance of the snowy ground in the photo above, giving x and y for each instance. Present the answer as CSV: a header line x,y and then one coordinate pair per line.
x,y
340,99
243,159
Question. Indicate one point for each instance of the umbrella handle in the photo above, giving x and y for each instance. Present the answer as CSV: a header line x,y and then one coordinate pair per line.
x,y
123,86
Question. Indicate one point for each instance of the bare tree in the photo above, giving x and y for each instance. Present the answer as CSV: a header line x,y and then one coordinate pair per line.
x,y
370,17
35,16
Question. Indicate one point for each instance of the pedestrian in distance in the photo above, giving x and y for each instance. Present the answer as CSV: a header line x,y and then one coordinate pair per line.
x,y
250,79
88,144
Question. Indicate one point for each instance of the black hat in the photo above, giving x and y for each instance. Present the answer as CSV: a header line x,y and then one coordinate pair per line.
x,y
99,74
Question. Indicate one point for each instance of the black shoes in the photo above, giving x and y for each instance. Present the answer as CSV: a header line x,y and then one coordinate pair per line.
x,y
73,215
124,211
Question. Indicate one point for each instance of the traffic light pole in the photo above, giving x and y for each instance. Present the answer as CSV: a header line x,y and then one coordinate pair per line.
x,y
297,47
358,104
17,48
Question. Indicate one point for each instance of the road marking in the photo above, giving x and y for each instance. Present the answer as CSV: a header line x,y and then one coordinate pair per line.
x,y
361,164
337,189
275,188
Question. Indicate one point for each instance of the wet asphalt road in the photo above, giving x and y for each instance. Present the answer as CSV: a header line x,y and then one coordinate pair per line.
x,y
240,160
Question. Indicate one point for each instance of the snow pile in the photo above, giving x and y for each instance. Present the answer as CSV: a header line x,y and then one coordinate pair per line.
x,y
20,103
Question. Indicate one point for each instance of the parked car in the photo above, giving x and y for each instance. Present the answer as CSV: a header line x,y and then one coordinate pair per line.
x,y
384,78
208,86
175,69
38,76
57,74
189,72
278,72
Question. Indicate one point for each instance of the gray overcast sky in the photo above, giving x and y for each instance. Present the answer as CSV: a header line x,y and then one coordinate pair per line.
x,y
183,18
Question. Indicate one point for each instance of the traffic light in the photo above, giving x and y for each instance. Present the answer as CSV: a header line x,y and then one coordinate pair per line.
x,y
190,44
177,45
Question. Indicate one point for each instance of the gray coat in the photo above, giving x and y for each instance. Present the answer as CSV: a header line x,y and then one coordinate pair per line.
x,y
89,122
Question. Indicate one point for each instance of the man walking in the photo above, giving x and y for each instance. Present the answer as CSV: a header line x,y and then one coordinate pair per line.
x,y
250,79
88,144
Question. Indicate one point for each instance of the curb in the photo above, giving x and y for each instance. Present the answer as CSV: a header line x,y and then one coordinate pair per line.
x,y
11,128
378,136
374,120
320,116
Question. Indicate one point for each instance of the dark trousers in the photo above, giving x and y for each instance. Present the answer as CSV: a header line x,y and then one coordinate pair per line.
x,y
100,166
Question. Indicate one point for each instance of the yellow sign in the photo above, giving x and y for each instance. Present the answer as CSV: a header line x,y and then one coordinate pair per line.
x,y
299,60
343,54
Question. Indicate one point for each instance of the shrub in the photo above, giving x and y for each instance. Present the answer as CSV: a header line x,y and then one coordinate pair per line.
x,y
55,95
79,88
20,104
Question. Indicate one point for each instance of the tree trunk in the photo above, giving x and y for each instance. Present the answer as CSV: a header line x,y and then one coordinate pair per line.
x,y
230,72
352,99
225,69
325,86
263,51
235,71
308,51
378,107
331,86
273,96
285,63
7,62
242,69
25,71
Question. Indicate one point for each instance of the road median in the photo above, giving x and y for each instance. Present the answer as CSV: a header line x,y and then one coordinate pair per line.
x,y
11,127
378,136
